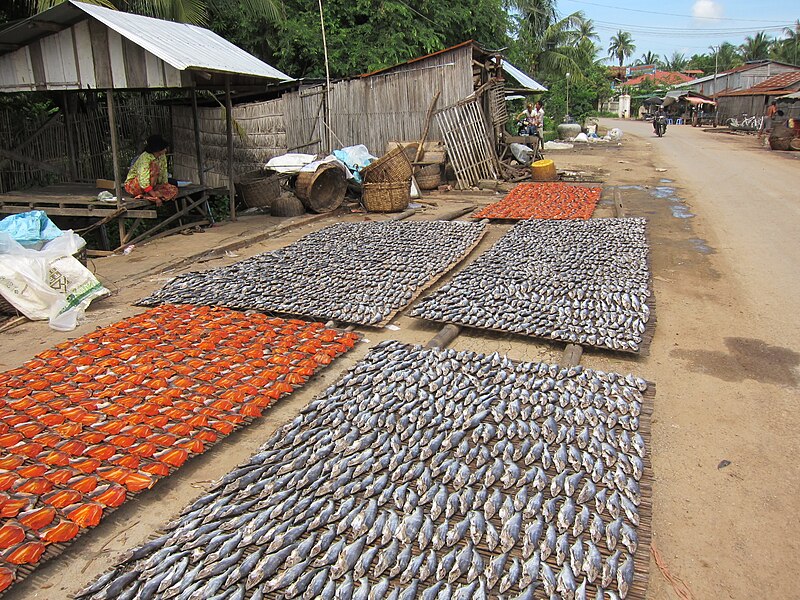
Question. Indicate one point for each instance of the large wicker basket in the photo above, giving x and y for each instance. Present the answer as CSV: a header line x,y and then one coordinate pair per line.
x,y
259,188
391,167
429,178
322,190
387,197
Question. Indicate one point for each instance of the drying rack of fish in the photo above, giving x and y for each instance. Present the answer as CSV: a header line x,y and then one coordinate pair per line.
x,y
350,272
544,201
424,473
584,282
89,423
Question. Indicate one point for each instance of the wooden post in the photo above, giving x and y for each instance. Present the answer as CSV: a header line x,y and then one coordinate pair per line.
x,y
198,145
229,133
72,165
112,125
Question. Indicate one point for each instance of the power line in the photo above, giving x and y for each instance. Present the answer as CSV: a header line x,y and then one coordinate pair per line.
x,y
653,12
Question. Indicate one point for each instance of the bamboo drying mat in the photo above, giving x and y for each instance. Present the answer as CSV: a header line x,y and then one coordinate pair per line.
x,y
530,201
640,557
209,339
321,314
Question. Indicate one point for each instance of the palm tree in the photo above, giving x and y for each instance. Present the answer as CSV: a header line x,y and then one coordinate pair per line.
x,y
791,43
195,12
727,56
621,46
676,62
586,29
649,58
536,16
755,47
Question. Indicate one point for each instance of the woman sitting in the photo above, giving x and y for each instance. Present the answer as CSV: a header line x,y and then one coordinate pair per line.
x,y
148,175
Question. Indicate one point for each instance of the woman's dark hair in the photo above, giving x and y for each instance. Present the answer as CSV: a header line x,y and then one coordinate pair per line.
x,y
155,143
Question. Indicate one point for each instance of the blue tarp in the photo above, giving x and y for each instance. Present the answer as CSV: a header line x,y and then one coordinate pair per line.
x,y
30,229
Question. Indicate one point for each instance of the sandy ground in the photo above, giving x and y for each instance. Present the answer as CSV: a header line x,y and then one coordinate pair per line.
x,y
723,230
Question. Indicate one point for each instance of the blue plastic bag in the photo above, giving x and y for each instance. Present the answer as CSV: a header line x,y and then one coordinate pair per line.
x,y
30,229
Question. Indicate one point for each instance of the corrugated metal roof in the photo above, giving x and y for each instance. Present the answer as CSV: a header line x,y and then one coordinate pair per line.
x,y
182,45
523,78
776,85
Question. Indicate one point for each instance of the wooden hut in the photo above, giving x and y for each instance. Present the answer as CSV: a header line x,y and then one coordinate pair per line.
x,y
756,99
374,109
82,48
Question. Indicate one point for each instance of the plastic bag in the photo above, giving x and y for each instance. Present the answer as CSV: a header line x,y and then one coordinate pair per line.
x,y
30,229
50,283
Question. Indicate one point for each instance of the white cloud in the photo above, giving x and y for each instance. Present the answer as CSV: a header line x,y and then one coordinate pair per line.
x,y
707,9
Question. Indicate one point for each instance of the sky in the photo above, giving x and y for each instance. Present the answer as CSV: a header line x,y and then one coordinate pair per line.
x,y
684,26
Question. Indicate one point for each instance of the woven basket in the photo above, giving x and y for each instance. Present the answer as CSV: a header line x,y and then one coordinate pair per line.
x,y
387,197
5,306
429,178
322,190
258,189
393,166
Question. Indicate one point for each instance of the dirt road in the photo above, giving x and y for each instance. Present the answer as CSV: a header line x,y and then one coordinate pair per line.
x,y
726,361
723,225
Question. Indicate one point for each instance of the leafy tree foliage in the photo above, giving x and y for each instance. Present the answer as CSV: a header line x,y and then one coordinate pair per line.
x,y
621,46
755,47
676,62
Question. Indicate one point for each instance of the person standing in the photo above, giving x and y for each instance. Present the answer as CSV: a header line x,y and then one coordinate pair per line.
x,y
148,177
766,124
528,116
538,122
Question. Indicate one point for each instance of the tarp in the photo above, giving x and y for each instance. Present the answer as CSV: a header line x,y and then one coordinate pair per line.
x,y
30,229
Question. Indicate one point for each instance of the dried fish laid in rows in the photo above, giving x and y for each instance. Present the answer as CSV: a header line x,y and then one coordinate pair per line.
x,y
585,282
554,200
86,424
422,473
352,272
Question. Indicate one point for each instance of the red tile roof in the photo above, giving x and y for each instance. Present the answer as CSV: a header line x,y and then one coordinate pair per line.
x,y
662,77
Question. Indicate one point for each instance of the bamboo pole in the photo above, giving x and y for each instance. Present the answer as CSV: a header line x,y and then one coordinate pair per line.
x,y
72,165
112,125
229,134
198,146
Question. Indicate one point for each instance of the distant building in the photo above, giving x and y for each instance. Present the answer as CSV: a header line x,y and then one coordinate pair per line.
x,y
659,78
754,100
738,78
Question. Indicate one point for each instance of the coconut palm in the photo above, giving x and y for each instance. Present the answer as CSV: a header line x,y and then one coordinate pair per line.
x,y
649,58
586,29
676,62
536,16
185,11
727,56
621,46
755,47
788,49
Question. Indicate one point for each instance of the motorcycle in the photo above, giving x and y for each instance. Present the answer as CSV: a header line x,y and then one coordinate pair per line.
x,y
660,125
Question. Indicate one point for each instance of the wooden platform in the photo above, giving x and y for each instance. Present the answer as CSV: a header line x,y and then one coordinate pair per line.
x,y
80,200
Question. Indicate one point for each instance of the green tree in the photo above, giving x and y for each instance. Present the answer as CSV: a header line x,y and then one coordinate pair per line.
x,y
676,62
755,47
621,46
727,57
703,62
788,49
586,29
649,58
197,12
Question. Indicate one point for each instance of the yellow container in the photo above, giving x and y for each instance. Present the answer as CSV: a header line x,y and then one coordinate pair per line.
x,y
544,170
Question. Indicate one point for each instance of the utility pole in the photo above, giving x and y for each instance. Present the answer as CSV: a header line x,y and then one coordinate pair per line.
x,y
716,68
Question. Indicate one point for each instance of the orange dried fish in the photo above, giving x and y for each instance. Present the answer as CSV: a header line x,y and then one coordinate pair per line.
x,y
195,446
111,427
63,532
101,452
179,429
136,482
114,474
250,410
86,465
69,430
223,427
125,460
173,456
35,485
92,437
10,462
146,449
26,554
10,439
38,517
162,439
32,471
113,495
73,447
140,431
122,441
56,458
86,515
159,421
13,506
83,483
62,498
48,439
7,480
156,468
11,535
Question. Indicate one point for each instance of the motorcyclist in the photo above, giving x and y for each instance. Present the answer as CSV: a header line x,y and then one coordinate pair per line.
x,y
658,118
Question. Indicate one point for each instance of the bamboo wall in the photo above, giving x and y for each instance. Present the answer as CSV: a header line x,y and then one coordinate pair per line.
x,y
46,141
389,106
259,134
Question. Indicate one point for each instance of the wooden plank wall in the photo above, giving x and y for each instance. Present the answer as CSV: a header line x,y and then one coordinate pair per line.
x,y
259,134
382,108
87,55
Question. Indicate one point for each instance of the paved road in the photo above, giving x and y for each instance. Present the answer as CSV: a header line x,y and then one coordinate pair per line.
x,y
725,360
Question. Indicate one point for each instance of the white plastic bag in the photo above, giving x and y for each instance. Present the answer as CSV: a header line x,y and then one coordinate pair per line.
x,y
49,283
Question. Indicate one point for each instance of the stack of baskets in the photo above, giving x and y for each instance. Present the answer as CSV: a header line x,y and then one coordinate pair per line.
x,y
259,188
387,182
